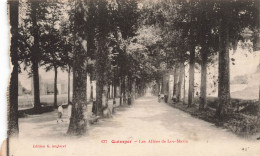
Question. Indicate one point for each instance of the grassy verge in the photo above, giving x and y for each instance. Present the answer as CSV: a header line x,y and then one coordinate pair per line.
x,y
241,122
44,109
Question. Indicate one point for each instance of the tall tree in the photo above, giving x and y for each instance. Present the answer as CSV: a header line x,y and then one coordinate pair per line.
x,y
54,44
224,73
13,128
35,53
208,42
180,83
191,75
102,61
234,18
128,27
78,121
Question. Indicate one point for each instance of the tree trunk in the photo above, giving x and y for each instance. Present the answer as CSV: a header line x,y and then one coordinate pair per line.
x,y
36,86
35,57
158,88
184,86
78,120
191,76
55,87
163,85
181,75
125,93
224,75
13,128
99,93
101,89
133,91
102,60
129,95
175,82
108,92
106,112
204,33
121,91
69,85
114,91
203,83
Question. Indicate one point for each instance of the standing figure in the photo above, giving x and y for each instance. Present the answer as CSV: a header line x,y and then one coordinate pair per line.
x,y
60,112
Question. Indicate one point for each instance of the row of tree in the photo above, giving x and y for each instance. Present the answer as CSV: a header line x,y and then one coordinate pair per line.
x,y
126,44
195,32
85,37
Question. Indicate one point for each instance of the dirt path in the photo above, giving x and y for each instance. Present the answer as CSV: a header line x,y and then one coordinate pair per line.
x,y
170,132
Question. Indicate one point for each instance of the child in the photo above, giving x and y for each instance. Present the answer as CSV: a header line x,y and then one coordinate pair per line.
x,y
60,112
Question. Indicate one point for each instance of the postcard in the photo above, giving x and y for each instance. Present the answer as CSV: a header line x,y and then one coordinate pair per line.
x,y
133,77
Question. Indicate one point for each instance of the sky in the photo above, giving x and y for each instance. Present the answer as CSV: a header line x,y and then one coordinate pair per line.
x,y
245,62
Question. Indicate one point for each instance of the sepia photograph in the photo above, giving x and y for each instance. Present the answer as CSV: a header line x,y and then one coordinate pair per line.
x,y
133,78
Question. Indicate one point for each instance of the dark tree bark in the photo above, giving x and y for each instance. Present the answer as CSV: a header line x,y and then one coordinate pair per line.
x,y
13,128
35,56
163,85
191,76
108,91
203,84
181,75
78,120
102,60
36,86
125,90
114,90
69,85
121,91
157,88
133,91
55,87
176,80
101,90
184,86
204,34
224,73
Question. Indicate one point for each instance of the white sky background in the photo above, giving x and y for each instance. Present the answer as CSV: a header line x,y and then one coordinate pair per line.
x,y
245,62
